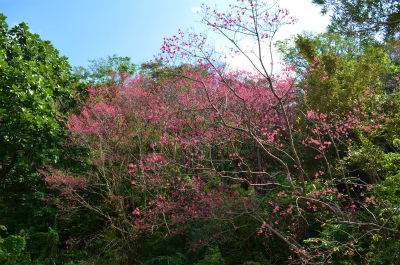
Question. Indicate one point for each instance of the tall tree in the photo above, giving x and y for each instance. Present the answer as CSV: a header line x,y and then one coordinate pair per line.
x,y
363,17
35,85
35,88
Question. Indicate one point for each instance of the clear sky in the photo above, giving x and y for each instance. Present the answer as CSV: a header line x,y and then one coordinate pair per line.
x,y
90,29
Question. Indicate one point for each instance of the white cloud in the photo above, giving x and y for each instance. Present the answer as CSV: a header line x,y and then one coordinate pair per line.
x,y
196,9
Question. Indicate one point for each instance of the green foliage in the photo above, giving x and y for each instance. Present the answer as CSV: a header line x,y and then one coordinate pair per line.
x,y
344,69
363,17
12,249
391,161
338,67
173,260
34,84
213,257
35,90
104,71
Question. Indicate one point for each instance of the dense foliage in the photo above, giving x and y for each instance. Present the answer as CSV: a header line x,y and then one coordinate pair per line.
x,y
188,161
35,89
103,71
363,17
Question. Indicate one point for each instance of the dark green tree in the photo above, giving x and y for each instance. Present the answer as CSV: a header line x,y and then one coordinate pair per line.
x,y
35,91
34,87
363,17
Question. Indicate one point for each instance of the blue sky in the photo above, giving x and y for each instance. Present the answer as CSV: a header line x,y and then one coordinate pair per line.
x,y
90,29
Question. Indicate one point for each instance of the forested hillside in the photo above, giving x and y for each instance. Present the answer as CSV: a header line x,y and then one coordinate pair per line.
x,y
188,160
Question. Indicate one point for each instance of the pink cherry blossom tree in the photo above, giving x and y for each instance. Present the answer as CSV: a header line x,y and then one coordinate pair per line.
x,y
205,143
280,140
